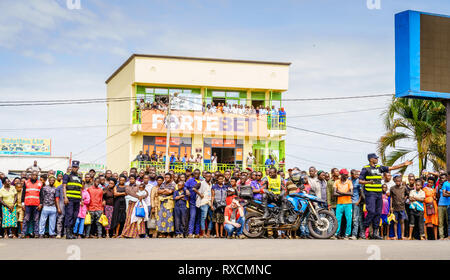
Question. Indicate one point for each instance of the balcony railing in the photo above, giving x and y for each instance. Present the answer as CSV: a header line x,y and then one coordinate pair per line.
x,y
179,167
273,122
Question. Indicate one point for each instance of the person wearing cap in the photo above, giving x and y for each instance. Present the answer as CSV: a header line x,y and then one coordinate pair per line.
x,y
72,196
343,190
370,178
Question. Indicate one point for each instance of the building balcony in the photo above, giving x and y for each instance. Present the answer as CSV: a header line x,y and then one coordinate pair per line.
x,y
209,124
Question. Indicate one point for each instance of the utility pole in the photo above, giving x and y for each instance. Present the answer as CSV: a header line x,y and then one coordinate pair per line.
x,y
168,125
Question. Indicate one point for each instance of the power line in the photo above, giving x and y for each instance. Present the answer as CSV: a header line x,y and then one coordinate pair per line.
x,y
96,126
336,113
19,103
331,135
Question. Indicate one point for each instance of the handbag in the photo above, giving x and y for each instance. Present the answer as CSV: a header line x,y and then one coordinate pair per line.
x,y
87,219
430,208
151,224
103,220
139,210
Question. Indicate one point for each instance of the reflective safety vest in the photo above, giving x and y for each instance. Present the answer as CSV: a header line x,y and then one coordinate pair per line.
x,y
73,186
373,173
32,192
274,184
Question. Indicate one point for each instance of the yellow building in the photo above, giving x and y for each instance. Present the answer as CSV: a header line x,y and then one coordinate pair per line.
x,y
195,130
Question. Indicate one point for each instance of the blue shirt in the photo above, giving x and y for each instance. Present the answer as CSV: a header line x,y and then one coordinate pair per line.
x,y
256,186
356,190
444,201
189,185
269,162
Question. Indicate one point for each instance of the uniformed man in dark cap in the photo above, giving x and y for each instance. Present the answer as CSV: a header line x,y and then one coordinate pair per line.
x,y
370,178
72,185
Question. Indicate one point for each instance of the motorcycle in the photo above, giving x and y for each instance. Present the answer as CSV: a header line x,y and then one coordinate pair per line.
x,y
322,223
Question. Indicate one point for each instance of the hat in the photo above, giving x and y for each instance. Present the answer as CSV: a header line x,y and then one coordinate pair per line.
x,y
373,155
249,169
319,172
343,171
75,163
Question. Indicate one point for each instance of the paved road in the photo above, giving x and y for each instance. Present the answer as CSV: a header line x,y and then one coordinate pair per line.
x,y
222,249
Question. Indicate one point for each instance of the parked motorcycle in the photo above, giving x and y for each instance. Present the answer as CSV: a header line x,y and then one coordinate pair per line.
x,y
322,223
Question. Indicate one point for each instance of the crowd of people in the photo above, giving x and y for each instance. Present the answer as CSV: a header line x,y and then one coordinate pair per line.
x,y
222,107
174,158
368,203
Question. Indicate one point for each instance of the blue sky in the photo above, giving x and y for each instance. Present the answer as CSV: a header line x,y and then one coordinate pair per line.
x,y
337,48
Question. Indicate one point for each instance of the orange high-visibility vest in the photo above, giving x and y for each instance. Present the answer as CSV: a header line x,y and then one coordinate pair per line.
x,y
32,193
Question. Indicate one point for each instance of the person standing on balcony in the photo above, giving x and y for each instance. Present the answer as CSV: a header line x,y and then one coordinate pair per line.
x,y
146,157
282,118
141,104
214,162
140,156
250,160
172,159
154,156
269,162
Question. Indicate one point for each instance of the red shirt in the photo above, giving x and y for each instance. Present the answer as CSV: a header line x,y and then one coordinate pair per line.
x,y
96,203
229,212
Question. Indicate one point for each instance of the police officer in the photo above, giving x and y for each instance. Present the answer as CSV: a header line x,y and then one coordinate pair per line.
x,y
370,178
274,191
72,196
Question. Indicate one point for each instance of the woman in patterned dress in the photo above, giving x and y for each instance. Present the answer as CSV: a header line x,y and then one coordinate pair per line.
x,y
8,199
133,230
164,218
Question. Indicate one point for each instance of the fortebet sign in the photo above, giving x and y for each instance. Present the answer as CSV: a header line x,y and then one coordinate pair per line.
x,y
218,124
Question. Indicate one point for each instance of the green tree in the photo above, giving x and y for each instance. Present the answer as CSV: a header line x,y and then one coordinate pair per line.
x,y
417,120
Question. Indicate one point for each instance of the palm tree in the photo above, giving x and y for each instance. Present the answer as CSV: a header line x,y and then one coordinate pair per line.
x,y
417,120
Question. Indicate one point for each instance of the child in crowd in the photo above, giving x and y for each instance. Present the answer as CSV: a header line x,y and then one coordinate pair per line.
x,y
231,190
79,224
398,194
385,212
19,210
181,197
219,195
416,197
140,203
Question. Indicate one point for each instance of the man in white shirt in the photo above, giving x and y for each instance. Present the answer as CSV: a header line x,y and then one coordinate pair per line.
x,y
214,162
250,159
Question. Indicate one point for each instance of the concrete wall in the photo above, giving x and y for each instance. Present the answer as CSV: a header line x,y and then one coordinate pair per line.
x,y
211,73
118,147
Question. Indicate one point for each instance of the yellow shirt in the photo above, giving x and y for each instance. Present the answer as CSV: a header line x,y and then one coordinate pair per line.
x,y
344,187
8,196
57,184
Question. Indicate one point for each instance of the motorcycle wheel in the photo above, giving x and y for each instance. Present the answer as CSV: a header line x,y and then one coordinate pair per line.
x,y
329,227
252,231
